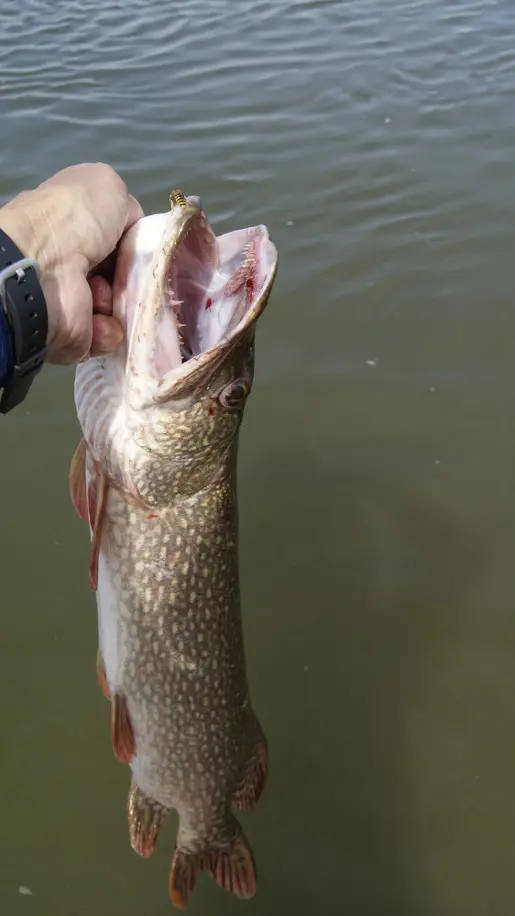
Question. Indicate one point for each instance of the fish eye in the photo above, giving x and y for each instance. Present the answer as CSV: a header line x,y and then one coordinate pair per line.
x,y
234,395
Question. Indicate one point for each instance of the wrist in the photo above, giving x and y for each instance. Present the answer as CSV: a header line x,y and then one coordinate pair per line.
x,y
6,350
24,222
24,315
27,220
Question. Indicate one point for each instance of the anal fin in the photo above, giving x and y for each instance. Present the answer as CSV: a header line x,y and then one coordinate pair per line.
x,y
255,774
146,816
122,732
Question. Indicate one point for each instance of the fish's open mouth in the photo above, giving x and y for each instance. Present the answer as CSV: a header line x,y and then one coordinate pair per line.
x,y
211,285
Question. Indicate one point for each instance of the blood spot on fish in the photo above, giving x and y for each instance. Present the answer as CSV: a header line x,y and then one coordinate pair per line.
x,y
211,411
209,303
150,516
250,285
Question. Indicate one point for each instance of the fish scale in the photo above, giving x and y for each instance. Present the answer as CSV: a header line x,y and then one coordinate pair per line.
x,y
155,479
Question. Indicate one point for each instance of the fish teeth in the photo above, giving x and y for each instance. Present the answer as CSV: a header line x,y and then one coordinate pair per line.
x,y
176,304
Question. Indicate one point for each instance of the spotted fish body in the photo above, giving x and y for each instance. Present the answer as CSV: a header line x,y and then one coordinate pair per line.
x,y
155,478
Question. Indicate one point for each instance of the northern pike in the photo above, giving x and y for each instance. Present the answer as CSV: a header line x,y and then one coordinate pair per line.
x,y
154,476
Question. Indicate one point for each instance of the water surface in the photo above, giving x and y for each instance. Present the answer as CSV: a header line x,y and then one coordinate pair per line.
x,y
377,457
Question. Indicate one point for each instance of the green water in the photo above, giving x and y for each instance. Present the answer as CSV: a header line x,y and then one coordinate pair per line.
x,y
377,458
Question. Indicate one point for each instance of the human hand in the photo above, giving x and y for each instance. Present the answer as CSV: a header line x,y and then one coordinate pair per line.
x,y
71,224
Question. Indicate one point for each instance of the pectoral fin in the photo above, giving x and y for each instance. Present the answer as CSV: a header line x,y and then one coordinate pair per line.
x,y
90,502
97,499
78,481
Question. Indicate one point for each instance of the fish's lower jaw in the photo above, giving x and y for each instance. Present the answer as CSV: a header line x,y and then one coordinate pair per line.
x,y
232,867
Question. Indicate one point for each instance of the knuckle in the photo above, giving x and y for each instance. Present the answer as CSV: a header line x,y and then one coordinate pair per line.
x,y
109,174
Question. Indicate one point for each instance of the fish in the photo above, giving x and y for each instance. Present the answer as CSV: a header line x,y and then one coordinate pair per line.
x,y
155,478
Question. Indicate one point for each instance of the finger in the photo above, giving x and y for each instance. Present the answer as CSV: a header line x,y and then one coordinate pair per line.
x,y
107,335
102,294
69,306
105,268
134,213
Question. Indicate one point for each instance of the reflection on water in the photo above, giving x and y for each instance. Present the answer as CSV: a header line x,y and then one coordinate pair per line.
x,y
376,496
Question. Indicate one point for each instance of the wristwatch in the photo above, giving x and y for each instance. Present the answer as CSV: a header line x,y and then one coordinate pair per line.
x,y
23,302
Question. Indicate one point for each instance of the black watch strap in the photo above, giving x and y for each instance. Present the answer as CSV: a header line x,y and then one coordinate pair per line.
x,y
24,304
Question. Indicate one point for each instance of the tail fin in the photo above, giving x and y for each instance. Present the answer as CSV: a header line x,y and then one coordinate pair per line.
x,y
232,867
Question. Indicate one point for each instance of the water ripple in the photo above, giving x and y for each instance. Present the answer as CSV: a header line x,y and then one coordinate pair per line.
x,y
382,133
